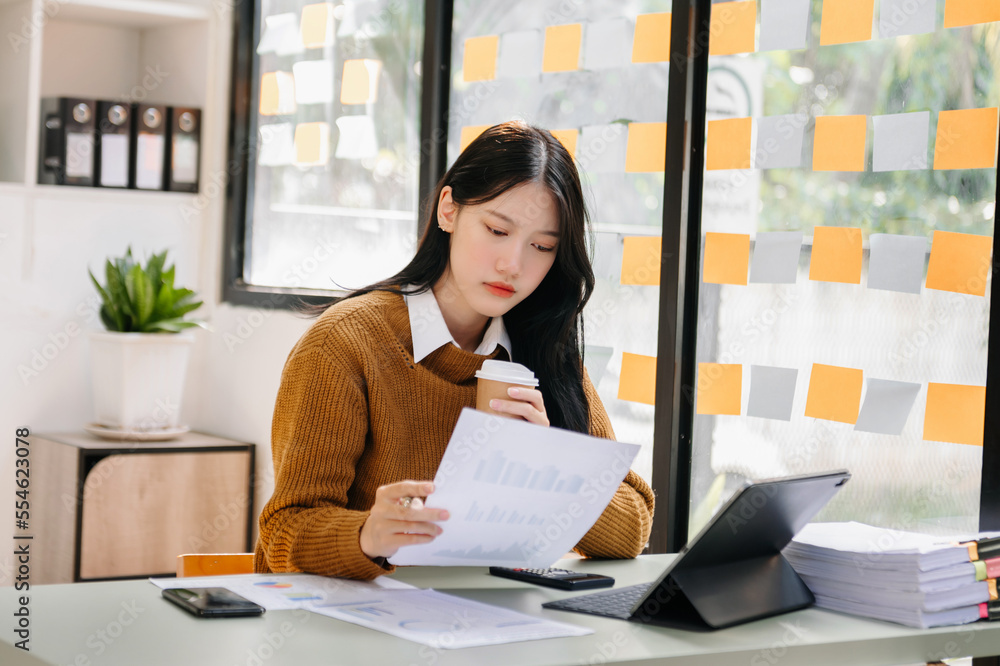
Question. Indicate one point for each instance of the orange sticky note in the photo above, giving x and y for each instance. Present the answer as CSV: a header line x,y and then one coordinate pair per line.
x,y
641,256
312,144
277,94
360,81
836,255
638,380
568,139
955,413
562,48
966,139
839,143
317,25
480,60
727,258
651,42
719,388
846,21
732,27
728,144
469,134
646,149
959,262
834,393
967,12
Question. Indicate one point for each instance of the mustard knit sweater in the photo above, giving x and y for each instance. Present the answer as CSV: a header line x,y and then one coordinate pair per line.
x,y
354,412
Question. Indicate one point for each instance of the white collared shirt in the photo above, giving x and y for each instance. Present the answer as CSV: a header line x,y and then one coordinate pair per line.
x,y
430,332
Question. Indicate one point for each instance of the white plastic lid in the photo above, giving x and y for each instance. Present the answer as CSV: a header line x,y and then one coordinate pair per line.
x,y
505,371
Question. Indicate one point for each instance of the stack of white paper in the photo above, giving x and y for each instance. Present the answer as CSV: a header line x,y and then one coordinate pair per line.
x,y
914,579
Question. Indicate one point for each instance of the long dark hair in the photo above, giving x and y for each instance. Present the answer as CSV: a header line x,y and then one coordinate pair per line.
x,y
546,328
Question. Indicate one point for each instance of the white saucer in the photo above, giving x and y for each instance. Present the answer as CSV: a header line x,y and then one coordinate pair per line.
x,y
117,434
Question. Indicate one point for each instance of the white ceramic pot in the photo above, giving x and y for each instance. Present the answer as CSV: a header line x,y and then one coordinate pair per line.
x,y
138,379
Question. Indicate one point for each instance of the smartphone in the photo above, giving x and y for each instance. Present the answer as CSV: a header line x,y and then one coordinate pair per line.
x,y
211,602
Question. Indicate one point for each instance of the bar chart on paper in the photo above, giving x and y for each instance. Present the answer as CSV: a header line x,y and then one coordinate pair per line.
x,y
499,469
519,495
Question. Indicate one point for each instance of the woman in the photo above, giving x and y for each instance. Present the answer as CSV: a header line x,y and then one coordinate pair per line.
x,y
370,394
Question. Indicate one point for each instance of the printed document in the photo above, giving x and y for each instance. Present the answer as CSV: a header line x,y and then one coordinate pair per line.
x,y
519,494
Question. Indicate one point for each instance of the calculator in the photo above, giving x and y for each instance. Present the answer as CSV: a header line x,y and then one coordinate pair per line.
x,y
563,579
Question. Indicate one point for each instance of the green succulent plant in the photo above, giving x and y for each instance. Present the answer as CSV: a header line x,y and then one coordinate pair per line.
x,y
144,300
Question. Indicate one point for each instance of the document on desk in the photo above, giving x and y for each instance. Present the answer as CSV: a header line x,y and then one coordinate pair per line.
x,y
519,494
442,620
289,591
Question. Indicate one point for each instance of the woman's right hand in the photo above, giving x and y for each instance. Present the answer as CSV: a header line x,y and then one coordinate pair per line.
x,y
392,525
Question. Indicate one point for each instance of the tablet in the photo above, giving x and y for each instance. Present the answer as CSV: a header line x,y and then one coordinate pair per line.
x,y
732,571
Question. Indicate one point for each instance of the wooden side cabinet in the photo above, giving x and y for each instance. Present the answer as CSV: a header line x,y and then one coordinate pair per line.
x,y
104,510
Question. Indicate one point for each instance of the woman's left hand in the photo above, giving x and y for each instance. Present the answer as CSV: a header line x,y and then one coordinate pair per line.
x,y
524,403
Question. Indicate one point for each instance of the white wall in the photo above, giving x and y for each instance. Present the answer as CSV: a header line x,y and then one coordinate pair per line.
x,y
47,242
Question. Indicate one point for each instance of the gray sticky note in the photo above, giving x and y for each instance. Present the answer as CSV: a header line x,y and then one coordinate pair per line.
x,y
776,257
886,406
601,148
520,54
607,44
897,262
779,141
771,392
784,24
905,17
901,141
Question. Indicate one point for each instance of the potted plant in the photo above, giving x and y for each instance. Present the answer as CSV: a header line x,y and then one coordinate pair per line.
x,y
139,363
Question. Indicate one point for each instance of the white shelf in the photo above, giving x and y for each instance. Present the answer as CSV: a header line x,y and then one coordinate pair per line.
x,y
108,195
130,13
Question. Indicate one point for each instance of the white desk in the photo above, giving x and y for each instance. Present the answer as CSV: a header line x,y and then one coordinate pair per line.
x,y
84,623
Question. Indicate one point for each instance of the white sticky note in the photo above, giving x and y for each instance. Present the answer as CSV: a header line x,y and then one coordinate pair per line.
x,y
277,144
149,161
784,25
282,35
886,406
313,81
607,44
520,54
184,160
775,257
114,160
905,17
357,137
779,141
897,262
901,141
601,148
772,391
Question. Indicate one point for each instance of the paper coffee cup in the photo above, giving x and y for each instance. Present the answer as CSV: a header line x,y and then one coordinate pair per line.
x,y
495,377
